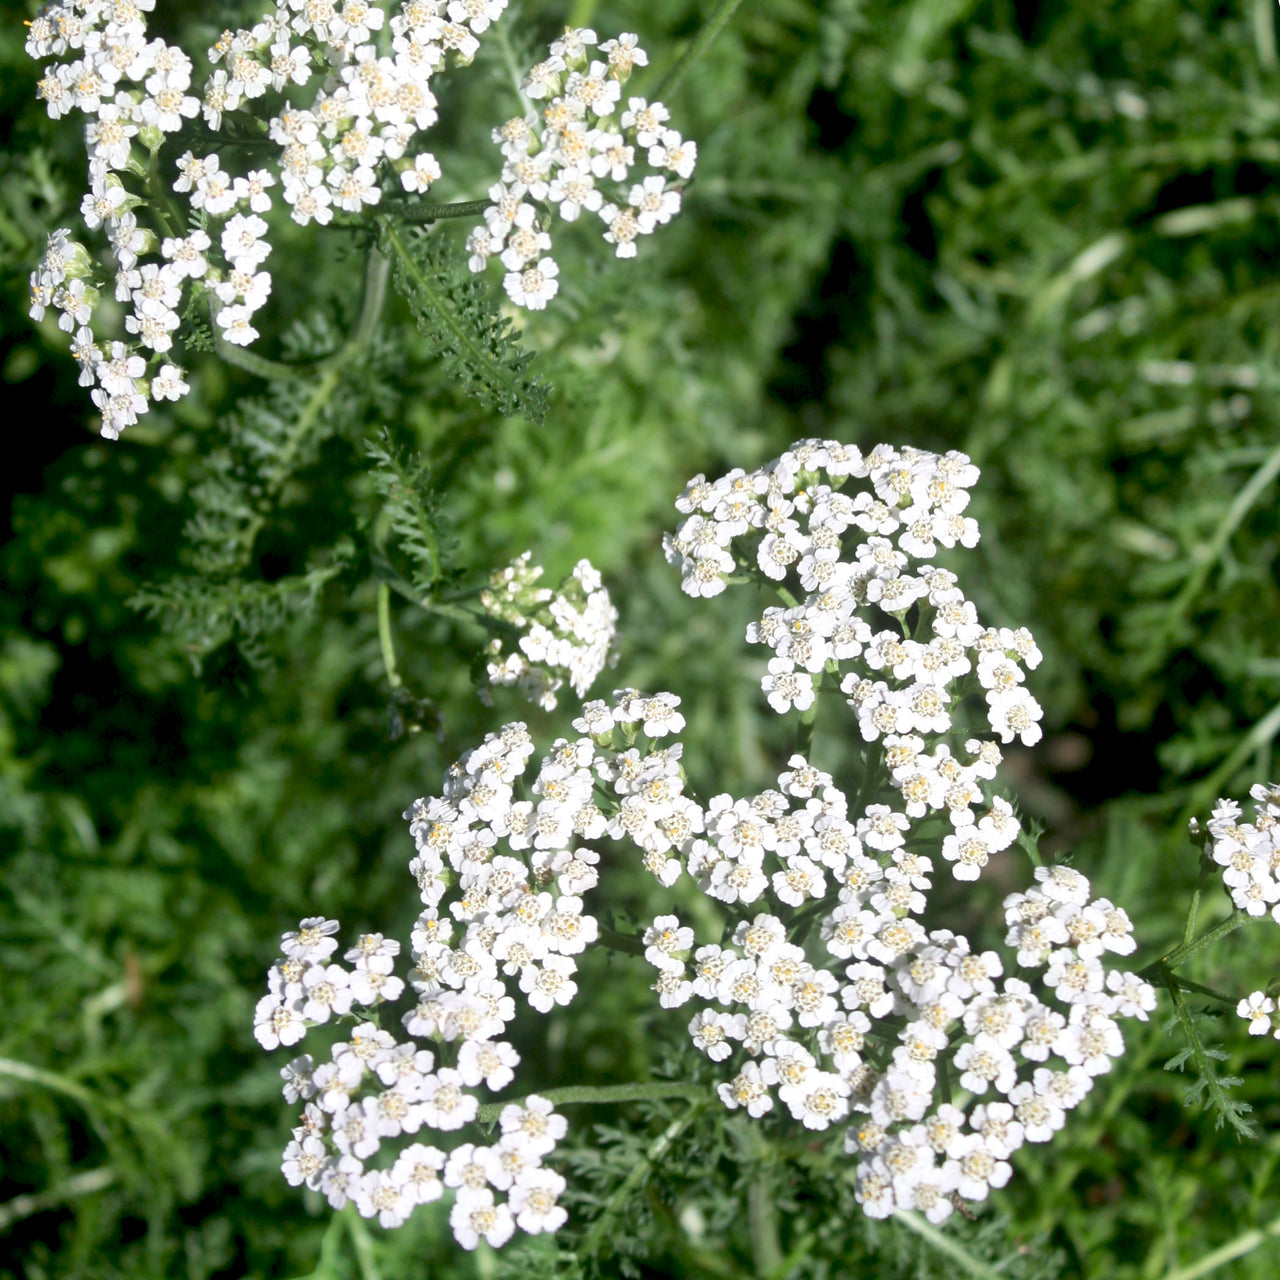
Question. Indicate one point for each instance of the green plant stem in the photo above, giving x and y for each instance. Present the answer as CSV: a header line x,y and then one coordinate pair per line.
x,y
1205,790
762,1225
574,1094
384,636
673,78
1193,948
362,1243
1247,1242
632,1182
417,213
377,270
78,1184
1193,907
945,1244
331,371
804,730
626,942
1212,551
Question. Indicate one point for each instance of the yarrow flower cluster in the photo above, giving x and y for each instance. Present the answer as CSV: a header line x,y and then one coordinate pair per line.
x,y
1249,855
579,155
501,886
567,634
190,235
851,555
1249,852
826,989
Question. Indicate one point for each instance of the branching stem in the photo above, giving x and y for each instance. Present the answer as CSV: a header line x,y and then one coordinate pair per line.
x,y
673,78
575,1094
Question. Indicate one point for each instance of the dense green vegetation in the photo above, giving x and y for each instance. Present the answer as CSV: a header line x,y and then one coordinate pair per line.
x,y
1042,233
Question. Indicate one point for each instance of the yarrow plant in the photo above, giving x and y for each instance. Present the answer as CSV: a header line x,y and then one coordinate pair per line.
x,y
581,148
566,635
870,1017
825,990
332,97
1249,855
501,887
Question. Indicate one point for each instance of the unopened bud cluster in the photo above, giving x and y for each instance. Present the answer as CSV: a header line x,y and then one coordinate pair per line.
x,y
579,154
567,634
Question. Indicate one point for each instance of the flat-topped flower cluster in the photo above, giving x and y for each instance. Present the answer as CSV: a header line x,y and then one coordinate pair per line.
x,y
1249,855
566,635
579,154
330,97
501,888
827,989
188,234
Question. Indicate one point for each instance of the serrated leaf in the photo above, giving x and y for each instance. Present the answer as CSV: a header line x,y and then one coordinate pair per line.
x,y
450,305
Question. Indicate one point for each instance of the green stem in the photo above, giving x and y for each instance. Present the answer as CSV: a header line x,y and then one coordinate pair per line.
x,y
160,205
762,1225
384,636
362,1243
78,1184
1193,907
1237,1248
427,212
1200,989
574,1094
632,1182
503,41
626,942
947,1245
331,371
673,78
804,732
375,292
1193,948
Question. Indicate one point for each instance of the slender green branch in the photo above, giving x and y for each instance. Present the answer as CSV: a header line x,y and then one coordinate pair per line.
x,y
375,292
78,1184
331,371
1193,907
1205,790
627,942
762,1225
804,730
384,636
427,212
572,1095
1247,1242
1185,984
632,1182
947,1245
1193,948
503,42
673,78
327,1264
362,1243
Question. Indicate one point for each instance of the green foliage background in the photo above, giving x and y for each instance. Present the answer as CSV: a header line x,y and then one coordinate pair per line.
x,y
1041,232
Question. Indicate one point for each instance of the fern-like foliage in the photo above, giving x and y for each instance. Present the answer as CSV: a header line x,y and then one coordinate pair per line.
x,y
268,440
450,305
1209,1088
403,480
205,614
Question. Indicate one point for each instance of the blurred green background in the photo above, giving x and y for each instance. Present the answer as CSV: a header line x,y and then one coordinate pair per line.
x,y
1044,233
